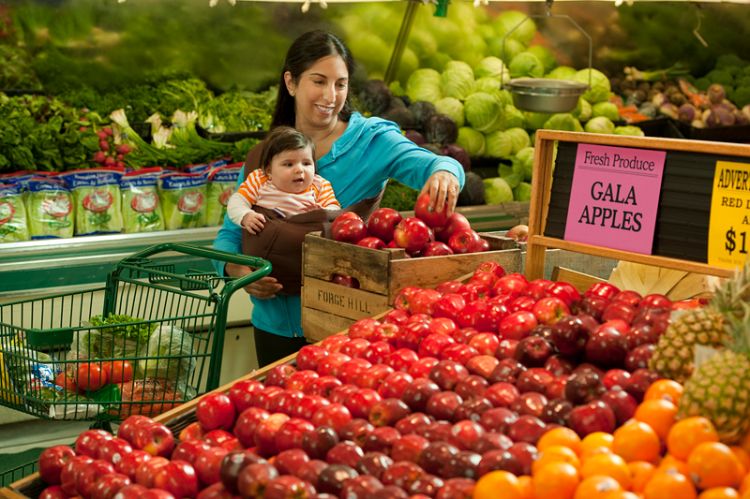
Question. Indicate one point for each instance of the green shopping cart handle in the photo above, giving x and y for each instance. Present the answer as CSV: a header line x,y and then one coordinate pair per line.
x,y
262,267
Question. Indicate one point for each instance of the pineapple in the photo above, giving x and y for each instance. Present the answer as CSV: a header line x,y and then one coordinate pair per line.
x,y
673,356
720,388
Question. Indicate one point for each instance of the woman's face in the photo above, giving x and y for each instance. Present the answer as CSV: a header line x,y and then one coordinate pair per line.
x,y
292,170
320,92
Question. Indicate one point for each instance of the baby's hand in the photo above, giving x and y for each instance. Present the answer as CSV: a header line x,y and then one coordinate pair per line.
x,y
253,222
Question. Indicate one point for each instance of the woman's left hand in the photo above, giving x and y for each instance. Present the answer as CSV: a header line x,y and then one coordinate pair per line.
x,y
442,186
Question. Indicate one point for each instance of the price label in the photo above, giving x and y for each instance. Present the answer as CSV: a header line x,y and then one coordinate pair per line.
x,y
729,225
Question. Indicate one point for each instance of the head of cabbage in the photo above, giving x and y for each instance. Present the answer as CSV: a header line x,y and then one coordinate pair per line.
x,y
424,84
600,124
456,83
563,121
606,109
519,25
452,108
482,111
491,67
526,64
499,144
471,141
599,86
497,190
519,139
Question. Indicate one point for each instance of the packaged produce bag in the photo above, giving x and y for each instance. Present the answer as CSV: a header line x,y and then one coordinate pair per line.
x,y
13,220
170,355
221,182
96,194
49,207
141,209
183,199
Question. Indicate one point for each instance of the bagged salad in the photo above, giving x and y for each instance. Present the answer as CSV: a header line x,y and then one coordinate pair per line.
x,y
13,219
96,194
221,182
183,197
49,207
170,355
141,209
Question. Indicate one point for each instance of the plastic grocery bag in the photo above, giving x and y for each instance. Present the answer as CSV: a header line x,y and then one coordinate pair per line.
x,y
96,194
221,182
170,355
183,198
49,207
13,219
141,209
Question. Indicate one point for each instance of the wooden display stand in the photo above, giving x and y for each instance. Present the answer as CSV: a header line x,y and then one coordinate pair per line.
x,y
329,307
541,196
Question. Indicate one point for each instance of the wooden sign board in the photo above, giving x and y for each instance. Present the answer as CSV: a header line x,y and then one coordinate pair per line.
x,y
694,175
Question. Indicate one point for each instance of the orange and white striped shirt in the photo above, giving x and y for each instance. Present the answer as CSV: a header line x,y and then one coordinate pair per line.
x,y
258,190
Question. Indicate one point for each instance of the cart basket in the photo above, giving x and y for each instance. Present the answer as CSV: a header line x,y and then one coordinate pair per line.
x,y
151,338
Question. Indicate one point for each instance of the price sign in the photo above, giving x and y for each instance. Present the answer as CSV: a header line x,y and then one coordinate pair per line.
x,y
729,226
615,196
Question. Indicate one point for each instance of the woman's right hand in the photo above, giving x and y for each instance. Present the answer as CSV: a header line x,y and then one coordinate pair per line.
x,y
263,288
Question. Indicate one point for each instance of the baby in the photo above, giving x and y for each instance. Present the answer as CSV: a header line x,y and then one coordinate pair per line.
x,y
286,182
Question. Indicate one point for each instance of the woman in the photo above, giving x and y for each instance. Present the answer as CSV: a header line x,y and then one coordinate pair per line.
x,y
356,155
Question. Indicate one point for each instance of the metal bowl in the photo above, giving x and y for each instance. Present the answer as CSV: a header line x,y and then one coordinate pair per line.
x,y
546,95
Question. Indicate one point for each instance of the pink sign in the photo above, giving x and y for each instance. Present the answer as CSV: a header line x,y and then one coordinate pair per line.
x,y
615,197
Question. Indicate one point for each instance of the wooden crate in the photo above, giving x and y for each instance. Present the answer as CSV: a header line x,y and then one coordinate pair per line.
x,y
328,308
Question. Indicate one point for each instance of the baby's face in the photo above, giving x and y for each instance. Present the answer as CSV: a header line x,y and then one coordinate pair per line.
x,y
292,171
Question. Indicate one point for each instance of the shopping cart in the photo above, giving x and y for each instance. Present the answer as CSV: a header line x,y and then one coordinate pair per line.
x,y
149,339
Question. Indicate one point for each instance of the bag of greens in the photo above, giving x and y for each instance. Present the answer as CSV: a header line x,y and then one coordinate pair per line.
x,y
170,355
96,193
201,168
141,209
13,220
49,207
219,163
183,200
221,182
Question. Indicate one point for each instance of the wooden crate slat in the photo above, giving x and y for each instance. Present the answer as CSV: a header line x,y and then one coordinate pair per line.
x,y
319,325
340,300
323,257
427,272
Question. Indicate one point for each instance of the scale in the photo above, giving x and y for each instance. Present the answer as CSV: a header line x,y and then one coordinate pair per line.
x,y
547,95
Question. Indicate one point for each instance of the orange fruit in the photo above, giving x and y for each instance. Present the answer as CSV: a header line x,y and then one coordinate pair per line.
x,y
556,453
497,484
525,486
622,494
596,443
745,442
640,473
669,485
610,465
689,432
560,436
597,487
636,441
659,414
719,493
713,464
669,462
667,389
745,485
554,481
743,457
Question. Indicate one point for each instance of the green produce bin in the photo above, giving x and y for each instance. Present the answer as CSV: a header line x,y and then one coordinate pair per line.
x,y
153,342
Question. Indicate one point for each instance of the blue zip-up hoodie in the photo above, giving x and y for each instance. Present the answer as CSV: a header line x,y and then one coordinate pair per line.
x,y
360,162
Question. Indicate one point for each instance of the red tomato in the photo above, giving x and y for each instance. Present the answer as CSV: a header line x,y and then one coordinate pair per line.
x,y
66,383
90,376
119,371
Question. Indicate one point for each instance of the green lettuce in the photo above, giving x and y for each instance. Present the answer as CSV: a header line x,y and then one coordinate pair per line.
x,y
50,208
141,208
183,199
96,194
13,219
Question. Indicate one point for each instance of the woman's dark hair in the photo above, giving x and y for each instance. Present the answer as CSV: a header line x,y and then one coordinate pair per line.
x,y
307,49
280,139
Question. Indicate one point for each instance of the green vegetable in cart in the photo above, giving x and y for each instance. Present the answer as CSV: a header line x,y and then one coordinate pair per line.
x,y
111,337
49,206
170,355
221,183
183,197
141,208
13,219
96,193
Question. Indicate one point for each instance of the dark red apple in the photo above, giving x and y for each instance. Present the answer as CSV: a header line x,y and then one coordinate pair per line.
x,y
591,417
382,222
622,404
583,386
412,234
606,347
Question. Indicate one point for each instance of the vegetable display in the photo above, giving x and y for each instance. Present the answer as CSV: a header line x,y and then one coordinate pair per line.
x,y
50,208
183,200
141,207
96,195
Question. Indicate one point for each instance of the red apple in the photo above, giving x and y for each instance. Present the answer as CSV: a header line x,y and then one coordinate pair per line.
x,y
436,248
455,223
130,462
126,430
591,417
622,404
425,210
51,462
88,442
371,242
207,464
215,410
348,227
382,223
412,234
